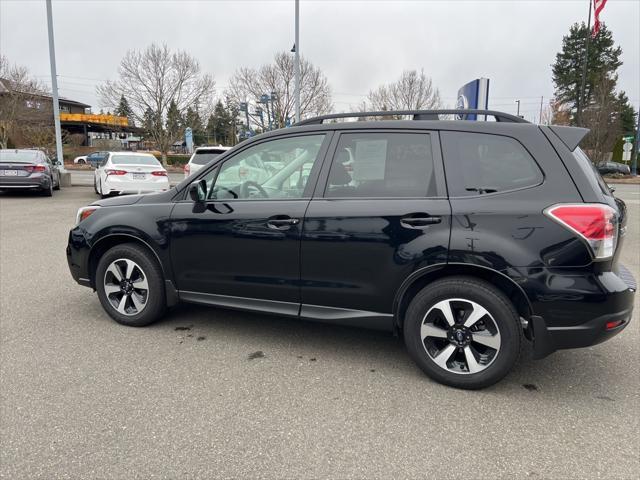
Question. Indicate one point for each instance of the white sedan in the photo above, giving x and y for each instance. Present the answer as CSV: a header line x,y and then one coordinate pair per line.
x,y
130,172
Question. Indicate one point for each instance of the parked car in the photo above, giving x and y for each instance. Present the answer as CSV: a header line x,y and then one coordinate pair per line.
x,y
28,170
468,238
130,172
96,158
201,156
81,160
607,168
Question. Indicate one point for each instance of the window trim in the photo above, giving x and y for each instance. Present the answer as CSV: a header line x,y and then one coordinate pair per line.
x,y
487,195
436,154
313,176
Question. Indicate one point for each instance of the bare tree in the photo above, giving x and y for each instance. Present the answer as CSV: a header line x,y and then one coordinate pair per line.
x,y
602,117
412,91
23,105
151,80
250,84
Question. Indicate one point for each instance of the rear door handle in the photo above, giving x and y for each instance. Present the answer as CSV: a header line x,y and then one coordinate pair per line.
x,y
419,222
282,222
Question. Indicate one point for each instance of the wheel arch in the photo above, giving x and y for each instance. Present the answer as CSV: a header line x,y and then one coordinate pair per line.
x,y
113,239
421,278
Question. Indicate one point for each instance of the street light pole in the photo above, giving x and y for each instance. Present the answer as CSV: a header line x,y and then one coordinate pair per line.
x,y
297,61
54,88
518,112
636,151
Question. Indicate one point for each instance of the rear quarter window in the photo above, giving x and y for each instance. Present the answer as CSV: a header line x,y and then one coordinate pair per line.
x,y
478,163
591,172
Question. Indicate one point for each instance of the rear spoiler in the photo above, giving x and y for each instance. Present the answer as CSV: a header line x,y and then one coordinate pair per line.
x,y
570,136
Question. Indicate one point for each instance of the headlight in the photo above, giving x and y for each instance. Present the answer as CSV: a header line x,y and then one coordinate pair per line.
x,y
84,212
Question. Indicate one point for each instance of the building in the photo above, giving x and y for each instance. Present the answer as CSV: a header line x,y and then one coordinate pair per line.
x,y
75,117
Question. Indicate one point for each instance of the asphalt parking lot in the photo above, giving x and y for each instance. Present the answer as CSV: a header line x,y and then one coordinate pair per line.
x,y
211,393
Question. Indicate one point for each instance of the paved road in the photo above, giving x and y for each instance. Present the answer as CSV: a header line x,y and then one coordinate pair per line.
x,y
83,397
84,178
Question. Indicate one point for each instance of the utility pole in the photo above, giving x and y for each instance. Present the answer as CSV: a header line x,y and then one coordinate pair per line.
x,y
297,61
540,117
518,112
54,88
584,68
634,157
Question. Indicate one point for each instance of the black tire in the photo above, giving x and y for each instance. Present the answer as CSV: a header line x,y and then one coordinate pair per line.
x,y
502,313
155,305
95,186
48,192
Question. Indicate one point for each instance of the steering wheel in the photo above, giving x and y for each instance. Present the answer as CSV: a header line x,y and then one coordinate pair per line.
x,y
246,193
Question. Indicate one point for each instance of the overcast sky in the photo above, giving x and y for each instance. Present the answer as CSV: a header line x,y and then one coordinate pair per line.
x,y
358,44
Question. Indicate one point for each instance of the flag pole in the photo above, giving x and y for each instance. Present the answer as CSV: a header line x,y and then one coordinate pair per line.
x,y
584,68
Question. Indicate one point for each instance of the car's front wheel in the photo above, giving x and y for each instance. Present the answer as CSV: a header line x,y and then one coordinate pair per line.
x,y
463,332
130,285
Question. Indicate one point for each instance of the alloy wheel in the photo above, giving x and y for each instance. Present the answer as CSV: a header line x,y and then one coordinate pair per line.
x,y
460,336
126,286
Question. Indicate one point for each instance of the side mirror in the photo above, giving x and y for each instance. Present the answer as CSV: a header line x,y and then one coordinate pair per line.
x,y
198,191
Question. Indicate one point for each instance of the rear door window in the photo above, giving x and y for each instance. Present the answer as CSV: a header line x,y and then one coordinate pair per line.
x,y
382,165
478,164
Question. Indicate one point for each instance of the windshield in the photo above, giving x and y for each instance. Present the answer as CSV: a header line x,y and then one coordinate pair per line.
x,y
202,158
19,156
135,160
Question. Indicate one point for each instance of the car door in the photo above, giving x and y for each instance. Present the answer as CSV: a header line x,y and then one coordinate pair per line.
x,y
241,246
381,215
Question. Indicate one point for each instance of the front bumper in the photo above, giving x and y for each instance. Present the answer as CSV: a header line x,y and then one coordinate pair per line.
x,y
614,312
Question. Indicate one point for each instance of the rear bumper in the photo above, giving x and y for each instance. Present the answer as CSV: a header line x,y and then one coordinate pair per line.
x,y
34,181
119,186
614,312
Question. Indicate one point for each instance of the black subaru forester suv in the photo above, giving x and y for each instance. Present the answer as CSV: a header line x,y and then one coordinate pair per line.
x,y
468,237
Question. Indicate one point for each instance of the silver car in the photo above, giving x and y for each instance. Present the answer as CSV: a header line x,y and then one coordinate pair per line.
x,y
28,170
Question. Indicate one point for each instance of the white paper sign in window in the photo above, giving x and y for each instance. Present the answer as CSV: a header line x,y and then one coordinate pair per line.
x,y
370,159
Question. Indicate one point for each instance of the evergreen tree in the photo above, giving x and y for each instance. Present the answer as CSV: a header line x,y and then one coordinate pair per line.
x,y
124,110
174,125
192,120
603,60
627,113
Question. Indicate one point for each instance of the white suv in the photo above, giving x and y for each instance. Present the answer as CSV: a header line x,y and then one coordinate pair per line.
x,y
201,157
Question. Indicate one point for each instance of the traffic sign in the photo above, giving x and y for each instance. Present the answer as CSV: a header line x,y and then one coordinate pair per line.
x,y
626,147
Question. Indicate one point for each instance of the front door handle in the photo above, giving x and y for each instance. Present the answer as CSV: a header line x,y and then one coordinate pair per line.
x,y
282,222
419,222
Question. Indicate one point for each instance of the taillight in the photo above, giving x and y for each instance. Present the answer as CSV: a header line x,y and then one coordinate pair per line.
x,y
84,212
187,169
35,168
596,223
110,171
159,173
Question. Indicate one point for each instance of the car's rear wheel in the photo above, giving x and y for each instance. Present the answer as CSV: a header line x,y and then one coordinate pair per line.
x,y
130,285
463,332
48,191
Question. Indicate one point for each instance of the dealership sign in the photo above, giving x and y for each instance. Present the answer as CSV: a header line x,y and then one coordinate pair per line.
x,y
473,95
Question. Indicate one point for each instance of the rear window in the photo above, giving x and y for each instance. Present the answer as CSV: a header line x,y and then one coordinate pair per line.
x,y
591,172
478,163
204,157
19,156
383,165
134,160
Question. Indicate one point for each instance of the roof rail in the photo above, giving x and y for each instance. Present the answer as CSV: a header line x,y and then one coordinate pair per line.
x,y
417,115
